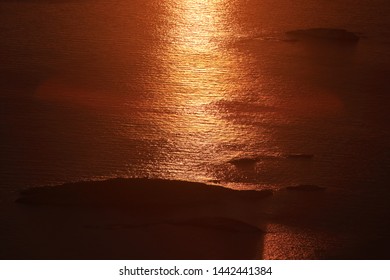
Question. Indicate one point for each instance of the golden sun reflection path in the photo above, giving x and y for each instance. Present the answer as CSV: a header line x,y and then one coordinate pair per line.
x,y
197,71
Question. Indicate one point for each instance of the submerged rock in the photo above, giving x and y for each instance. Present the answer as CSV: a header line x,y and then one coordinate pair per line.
x,y
299,156
244,161
252,160
328,34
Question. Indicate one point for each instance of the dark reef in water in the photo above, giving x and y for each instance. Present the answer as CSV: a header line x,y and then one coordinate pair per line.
x,y
136,192
299,156
327,34
245,161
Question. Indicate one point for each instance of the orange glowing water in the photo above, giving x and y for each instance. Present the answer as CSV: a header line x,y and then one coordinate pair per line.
x,y
178,88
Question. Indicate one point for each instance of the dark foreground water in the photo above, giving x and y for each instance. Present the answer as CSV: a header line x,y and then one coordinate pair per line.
x,y
176,89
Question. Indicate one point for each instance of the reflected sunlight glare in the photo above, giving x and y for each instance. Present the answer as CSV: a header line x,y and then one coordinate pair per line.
x,y
198,70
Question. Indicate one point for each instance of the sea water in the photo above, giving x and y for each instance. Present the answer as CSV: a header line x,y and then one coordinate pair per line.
x,y
177,89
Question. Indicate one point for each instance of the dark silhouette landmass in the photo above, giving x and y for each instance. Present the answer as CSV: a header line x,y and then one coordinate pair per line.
x,y
135,192
138,219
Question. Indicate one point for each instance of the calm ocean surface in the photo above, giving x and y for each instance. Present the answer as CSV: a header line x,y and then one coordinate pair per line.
x,y
176,89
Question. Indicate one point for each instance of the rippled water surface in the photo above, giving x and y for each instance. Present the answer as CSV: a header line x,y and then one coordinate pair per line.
x,y
178,88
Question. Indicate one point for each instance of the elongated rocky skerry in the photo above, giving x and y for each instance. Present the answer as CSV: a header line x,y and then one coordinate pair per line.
x,y
135,192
